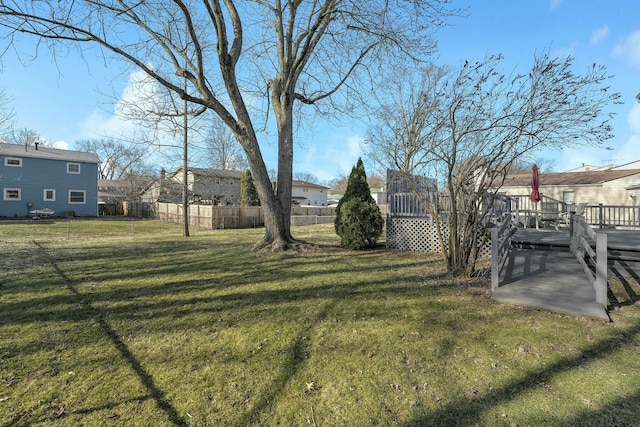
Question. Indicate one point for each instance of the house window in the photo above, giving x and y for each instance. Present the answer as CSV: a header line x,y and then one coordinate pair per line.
x,y
77,197
13,161
569,197
73,168
49,195
12,194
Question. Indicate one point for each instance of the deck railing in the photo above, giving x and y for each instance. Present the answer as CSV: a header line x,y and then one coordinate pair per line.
x,y
593,261
604,216
527,212
500,246
601,216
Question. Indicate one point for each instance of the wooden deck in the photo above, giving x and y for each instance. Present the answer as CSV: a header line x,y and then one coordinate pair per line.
x,y
542,272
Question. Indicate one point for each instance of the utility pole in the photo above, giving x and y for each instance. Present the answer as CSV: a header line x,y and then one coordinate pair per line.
x,y
185,159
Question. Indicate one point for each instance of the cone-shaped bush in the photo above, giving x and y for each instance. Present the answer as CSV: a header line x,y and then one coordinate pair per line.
x,y
358,220
248,191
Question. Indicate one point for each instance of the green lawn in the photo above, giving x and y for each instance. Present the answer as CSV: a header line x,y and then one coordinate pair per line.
x,y
128,323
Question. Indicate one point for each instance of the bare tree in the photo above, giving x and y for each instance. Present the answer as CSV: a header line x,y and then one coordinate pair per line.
x,y
466,128
25,136
306,177
222,149
339,185
7,115
294,51
117,160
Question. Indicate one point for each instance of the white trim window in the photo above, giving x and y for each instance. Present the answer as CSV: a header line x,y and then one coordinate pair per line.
x,y
77,197
73,168
12,194
15,162
49,195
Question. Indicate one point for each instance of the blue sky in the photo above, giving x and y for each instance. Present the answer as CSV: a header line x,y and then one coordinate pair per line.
x,y
66,100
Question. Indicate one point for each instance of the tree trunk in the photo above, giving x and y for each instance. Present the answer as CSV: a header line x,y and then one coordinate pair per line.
x,y
277,212
276,219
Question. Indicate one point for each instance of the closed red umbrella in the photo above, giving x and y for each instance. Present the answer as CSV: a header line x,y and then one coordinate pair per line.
x,y
535,185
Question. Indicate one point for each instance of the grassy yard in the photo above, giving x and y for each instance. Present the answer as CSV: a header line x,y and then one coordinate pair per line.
x,y
128,323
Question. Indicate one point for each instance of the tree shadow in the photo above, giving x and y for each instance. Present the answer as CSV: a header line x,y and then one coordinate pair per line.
x,y
468,411
145,378
627,277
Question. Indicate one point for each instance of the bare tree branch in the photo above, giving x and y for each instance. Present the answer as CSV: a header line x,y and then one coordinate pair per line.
x,y
466,128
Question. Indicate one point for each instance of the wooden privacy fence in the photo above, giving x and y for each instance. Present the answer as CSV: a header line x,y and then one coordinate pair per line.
x,y
207,217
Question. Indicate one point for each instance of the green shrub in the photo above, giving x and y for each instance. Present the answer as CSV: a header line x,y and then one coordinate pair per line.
x,y
358,220
361,224
248,191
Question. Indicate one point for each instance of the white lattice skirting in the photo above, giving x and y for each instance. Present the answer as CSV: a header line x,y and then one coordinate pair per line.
x,y
418,235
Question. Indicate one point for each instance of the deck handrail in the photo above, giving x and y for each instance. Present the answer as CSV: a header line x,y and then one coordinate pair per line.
x,y
579,231
500,246
612,215
599,215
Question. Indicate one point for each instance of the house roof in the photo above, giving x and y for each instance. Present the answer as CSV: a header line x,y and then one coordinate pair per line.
x,y
19,150
296,183
210,173
572,178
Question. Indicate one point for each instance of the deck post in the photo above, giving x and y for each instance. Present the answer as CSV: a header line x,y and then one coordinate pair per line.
x,y
495,271
601,215
601,269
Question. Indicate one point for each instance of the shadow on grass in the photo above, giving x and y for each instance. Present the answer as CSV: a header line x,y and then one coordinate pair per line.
x,y
155,393
293,363
625,274
468,411
215,289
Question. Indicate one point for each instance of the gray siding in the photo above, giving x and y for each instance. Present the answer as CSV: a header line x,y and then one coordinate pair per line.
x,y
37,174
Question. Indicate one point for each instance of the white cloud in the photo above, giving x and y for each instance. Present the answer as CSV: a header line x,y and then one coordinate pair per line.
x,y
555,4
349,157
61,145
576,157
629,48
563,52
141,94
101,124
624,153
600,34
629,150
334,156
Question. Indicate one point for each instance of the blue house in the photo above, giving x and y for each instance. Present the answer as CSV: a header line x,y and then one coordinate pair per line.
x,y
37,181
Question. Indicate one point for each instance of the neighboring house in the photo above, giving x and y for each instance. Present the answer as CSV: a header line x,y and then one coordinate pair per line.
x,y
222,187
379,195
205,186
615,186
35,179
587,168
305,193
111,193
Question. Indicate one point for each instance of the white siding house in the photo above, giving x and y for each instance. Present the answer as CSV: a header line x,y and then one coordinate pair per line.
x,y
309,194
613,187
